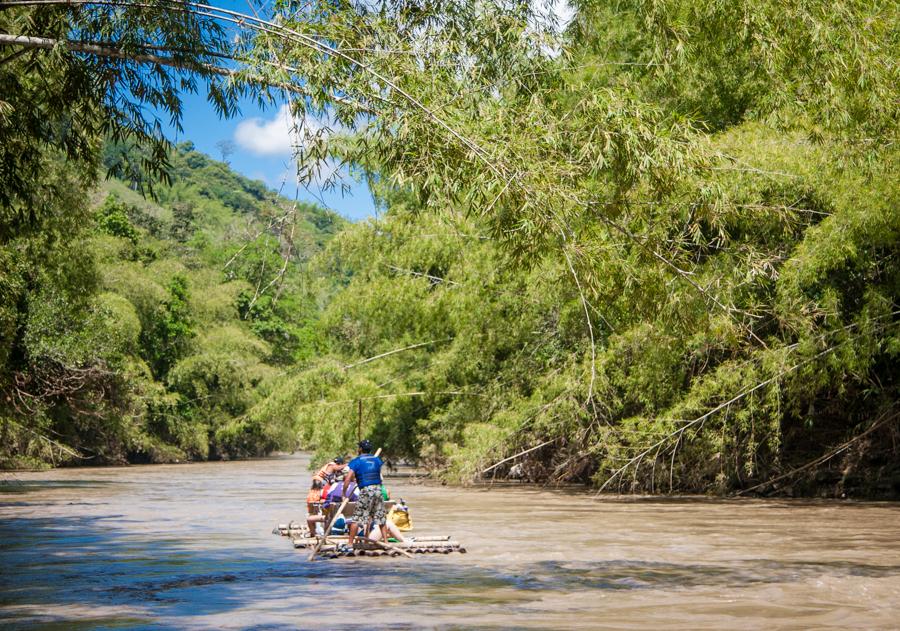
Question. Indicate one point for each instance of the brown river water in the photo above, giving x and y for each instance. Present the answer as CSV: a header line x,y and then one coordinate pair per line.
x,y
190,547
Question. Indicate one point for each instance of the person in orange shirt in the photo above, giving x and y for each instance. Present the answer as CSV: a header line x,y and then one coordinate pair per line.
x,y
329,471
314,506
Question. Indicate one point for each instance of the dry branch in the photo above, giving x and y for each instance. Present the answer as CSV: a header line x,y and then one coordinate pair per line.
x,y
395,351
50,442
521,453
590,326
436,279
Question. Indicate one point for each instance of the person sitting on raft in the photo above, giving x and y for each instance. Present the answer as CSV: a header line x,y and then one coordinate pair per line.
x,y
334,497
399,516
329,471
323,499
365,470
335,493
314,506
376,534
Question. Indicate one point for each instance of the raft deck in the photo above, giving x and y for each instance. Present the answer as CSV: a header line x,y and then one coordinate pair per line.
x,y
425,544
365,547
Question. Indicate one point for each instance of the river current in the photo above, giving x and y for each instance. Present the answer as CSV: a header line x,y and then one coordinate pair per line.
x,y
190,547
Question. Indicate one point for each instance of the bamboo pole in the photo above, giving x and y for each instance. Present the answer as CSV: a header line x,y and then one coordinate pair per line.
x,y
435,539
321,540
388,546
111,50
450,545
394,352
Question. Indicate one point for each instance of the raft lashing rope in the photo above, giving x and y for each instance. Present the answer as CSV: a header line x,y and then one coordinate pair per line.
x,y
335,546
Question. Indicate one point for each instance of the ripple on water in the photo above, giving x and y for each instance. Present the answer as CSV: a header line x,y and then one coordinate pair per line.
x,y
179,547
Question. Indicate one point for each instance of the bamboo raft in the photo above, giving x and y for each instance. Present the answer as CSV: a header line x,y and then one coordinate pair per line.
x,y
365,547
429,544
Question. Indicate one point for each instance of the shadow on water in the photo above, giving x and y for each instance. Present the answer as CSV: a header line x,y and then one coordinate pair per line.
x,y
623,574
19,487
50,565
54,564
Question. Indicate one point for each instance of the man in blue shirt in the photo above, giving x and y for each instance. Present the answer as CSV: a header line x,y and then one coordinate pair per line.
x,y
365,470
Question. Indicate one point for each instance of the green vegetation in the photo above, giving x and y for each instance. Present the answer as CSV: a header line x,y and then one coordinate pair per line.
x,y
147,331
662,258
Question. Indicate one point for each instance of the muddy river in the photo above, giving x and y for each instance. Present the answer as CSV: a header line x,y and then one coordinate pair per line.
x,y
191,547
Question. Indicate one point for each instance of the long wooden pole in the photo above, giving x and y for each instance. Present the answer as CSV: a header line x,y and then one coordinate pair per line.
x,y
312,555
388,546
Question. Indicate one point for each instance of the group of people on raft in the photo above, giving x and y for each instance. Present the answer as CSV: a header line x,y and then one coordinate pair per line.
x,y
359,481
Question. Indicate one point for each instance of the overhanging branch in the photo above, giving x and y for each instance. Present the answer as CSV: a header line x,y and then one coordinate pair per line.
x,y
110,50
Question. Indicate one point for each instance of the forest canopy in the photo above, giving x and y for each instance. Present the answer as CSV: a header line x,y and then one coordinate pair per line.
x,y
655,251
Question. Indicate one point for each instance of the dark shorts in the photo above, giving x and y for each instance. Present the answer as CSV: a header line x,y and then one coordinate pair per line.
x,y
369,506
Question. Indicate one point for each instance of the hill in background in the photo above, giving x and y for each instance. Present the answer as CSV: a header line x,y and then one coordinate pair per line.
x,y
165,319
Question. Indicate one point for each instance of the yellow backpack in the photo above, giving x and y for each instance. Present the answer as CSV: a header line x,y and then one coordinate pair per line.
x,y
400,518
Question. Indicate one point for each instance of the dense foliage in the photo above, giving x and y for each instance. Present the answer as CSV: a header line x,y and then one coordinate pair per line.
x,y
663,259
658,252
143,331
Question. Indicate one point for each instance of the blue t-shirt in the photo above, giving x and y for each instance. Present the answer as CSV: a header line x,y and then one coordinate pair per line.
x,y
367,469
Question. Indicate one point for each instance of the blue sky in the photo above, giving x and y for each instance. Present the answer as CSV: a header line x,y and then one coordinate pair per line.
x,y
262,137
262,151
262,144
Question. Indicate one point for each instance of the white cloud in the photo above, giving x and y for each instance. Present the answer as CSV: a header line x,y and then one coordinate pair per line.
x,y
281,137
274,137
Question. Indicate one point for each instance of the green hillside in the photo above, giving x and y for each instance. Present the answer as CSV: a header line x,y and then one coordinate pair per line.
x,y
147,332
222,200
